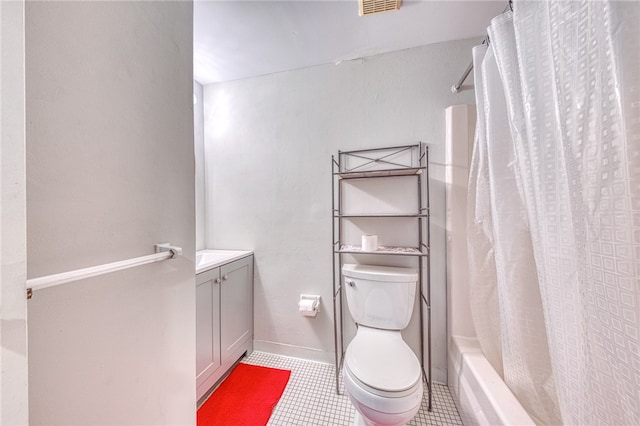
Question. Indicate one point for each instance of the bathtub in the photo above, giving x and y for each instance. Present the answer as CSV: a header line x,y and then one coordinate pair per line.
x,y
481,396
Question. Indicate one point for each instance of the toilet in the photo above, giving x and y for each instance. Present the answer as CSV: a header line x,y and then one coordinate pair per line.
x,y
382,376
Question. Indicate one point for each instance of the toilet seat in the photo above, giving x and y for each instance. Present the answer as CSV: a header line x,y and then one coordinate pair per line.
x,y
374,403
380,392
381,362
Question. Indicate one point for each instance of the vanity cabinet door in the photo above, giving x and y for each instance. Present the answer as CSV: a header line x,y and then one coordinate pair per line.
x,y
207,328
236,307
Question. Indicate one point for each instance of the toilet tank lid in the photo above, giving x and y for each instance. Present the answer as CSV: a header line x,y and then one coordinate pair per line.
x,y
380,273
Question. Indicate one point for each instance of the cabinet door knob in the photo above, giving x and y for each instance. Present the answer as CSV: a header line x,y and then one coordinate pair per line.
x,y
217,281
226,277
351,283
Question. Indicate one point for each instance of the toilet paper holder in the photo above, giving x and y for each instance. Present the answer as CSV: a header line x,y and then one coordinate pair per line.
x,y
309,305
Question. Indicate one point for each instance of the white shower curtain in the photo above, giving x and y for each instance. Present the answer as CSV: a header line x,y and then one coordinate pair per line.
x,y
554,208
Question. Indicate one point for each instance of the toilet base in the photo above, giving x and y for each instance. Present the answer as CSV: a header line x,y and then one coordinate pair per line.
x,y
388,411
358,420
367,416
383,419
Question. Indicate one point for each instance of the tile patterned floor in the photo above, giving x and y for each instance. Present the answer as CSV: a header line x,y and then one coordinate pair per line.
x,y
310,397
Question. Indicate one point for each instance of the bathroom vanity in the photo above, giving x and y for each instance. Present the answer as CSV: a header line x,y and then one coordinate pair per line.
x,y
224,313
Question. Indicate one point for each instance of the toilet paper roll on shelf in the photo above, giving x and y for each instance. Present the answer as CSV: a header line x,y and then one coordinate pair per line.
x,y
369,242
309,305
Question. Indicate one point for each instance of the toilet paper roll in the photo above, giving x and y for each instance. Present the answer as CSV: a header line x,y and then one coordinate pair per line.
x,y
307,308
369,242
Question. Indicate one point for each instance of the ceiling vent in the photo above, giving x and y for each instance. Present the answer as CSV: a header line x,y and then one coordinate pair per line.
x,y
368,7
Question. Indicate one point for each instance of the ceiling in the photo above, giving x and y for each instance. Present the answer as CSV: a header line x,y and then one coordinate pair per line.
x,y
239,39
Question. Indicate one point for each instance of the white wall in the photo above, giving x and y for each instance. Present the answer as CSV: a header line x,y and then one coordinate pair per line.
x,y
198,143
14,408
268,145
110,172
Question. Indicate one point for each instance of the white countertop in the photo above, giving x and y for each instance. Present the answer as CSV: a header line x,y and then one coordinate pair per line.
x,y
209,259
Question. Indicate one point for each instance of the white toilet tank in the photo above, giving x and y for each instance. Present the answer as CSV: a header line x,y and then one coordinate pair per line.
x,y
380,296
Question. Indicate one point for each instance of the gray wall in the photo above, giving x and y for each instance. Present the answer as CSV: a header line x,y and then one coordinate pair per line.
x,y
110,172
268,147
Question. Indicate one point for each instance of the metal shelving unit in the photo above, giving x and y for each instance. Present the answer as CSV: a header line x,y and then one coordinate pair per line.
x,y
381,163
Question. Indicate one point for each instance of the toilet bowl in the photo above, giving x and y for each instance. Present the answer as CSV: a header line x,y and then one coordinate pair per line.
x,y
382,378
382,375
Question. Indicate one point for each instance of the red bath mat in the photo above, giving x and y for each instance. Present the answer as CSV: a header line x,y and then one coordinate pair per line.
x,y
246,397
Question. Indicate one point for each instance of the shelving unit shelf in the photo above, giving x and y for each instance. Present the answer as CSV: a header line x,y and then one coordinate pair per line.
x,y
379,173
389,251
381,163
379,215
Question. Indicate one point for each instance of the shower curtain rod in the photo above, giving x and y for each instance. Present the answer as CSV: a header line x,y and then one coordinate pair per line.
x,y
456,87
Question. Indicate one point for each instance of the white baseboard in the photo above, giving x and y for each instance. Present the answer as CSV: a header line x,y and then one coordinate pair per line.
x,y
302,352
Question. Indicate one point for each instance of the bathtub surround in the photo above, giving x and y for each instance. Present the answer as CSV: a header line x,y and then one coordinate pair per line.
x,y
13,304
460,128
268,147
110,170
